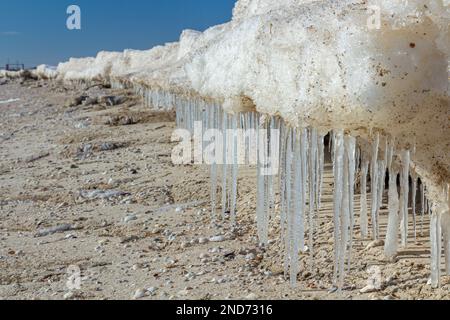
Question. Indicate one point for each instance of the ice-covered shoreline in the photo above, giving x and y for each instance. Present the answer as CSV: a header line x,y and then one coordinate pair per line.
x,y
314,64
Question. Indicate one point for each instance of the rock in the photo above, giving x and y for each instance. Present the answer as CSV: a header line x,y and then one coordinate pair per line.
x,y
74,102
108,146
217,239
89,101
53,230
129,239
129,218
369,288
102,194
333,290
152,291
375,244
139,294
250,257
111,101
203,240
69,295
204,256
183,293
251,296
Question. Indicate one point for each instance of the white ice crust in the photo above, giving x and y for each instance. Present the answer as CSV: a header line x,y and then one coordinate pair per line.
x,y
314,63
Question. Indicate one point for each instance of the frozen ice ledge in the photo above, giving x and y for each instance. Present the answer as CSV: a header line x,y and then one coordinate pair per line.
x,y
374,73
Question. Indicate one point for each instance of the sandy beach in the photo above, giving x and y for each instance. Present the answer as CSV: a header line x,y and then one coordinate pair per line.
x,y
88,188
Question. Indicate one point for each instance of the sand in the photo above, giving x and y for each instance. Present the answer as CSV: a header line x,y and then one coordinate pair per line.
x,y
150,241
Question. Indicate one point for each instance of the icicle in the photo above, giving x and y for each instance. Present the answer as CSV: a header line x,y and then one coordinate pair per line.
x,y
310,140
289,159
321,148
391,243
413,202
382,176
422,206
404,194
363,185
274,149
213,123
224,166
297,214
338,165
350,145
436,247
235,169
261,209
304,144
282,183
374,188
445,222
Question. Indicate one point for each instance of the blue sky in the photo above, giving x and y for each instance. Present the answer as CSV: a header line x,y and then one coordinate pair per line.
x,y
34,31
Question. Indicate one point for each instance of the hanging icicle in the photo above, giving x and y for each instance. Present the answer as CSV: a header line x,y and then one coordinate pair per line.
x,y
413,202
338,164
404,195
374,187
391,242
364,224
262,211
436,247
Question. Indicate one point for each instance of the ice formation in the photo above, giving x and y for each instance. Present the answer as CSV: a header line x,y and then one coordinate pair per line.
x,y
373,73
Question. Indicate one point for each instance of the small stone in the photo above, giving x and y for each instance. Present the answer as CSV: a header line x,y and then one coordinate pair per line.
x,y
250,256
203,240
369,288
251,296
139,294
375,244
204,256
69,295
183,293
217,239
152,290
129,218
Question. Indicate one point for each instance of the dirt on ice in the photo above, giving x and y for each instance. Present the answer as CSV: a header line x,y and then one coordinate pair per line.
x,y
91,207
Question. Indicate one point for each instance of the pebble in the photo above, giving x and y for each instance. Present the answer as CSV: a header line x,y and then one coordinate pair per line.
x,y
139,294
183,293
129,218
203,240
152,290
250,256
69,295
204,256
217,239
375,244
251,296
369,288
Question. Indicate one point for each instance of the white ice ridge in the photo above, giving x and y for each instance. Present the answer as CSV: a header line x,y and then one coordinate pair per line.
x,y
374,70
